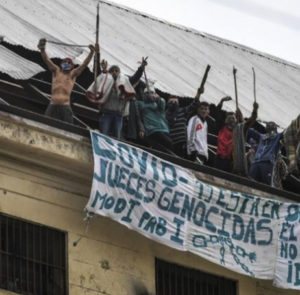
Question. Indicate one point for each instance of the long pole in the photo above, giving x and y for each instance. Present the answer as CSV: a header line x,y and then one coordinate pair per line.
x,y
254,84
235,88
65,44
96,61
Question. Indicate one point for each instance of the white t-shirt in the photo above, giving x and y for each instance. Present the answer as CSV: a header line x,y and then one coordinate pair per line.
x,y
197,136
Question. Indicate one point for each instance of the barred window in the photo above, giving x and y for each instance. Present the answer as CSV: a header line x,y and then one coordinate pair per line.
x,y
32,258
172,279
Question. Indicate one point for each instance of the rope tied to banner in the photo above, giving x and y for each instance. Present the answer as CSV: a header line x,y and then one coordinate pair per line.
x,y
87,219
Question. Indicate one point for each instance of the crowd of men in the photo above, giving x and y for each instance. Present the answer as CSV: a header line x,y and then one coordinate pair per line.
x,y
133,109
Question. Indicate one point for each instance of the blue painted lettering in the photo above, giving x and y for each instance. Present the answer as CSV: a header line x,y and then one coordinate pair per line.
x,y
142,161
199,217
176,238
109,203
268,232
208,224
238,223
222,231
234,202
154,168
113,179
98,197
163,200
124,172
125,155
106,153
120,206
199,241
188,207
220,198
175,201
250,232
129,189
150,185
169,174
133,204
102,177
293,213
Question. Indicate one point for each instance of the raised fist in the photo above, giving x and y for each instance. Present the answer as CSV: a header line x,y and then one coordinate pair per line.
x,y
255,106
92,47
42,44
103,65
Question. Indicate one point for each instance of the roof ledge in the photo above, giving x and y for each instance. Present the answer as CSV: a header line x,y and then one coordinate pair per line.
x,y
46,146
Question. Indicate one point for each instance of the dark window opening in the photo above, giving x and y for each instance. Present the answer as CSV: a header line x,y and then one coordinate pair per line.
x,y
32,258
172,279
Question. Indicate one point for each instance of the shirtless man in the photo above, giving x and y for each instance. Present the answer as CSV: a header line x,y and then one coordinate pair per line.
x,y
63,81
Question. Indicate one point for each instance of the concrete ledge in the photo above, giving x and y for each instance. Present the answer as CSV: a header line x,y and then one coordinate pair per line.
x,y
47,146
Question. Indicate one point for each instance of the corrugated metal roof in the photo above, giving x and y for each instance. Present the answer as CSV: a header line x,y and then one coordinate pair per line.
x,y
177,55
16,66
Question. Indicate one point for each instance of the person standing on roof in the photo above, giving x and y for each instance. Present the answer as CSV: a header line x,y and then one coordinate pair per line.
x,y
292,146
266,154
152,110
114,90
177,118
228,148
63,80
197,147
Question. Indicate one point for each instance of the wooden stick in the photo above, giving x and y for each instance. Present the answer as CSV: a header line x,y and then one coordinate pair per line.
x,y
96,61
254,84
197,97
235,88
205,76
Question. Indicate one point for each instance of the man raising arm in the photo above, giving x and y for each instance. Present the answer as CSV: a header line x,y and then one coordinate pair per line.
x,y
63,80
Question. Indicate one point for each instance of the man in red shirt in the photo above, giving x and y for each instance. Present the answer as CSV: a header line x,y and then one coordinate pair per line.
x,y
225,149
224,159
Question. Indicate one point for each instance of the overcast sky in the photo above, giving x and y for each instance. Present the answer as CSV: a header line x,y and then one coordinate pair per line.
x,y
271,26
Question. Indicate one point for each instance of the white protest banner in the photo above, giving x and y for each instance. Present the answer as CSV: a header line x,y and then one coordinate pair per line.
x,y
168,204
287,274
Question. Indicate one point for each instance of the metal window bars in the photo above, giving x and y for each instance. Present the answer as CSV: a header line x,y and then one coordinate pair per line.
x,y
32,258
172,279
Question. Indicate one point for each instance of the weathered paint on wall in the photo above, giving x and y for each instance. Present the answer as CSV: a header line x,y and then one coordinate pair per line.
x,y
109,257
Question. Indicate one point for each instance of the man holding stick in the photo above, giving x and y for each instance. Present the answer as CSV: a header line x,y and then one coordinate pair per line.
x,y
227,147
177,120
111,92
230,156
63,80
197,129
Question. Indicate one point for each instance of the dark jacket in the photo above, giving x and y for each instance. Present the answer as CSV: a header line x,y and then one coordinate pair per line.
x,y
134,121
268,146
177,121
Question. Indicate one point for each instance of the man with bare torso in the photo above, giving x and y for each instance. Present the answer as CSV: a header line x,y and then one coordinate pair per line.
x,y
63,81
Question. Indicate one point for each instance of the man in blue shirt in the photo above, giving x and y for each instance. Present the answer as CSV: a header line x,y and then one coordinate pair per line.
x,y
262,166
